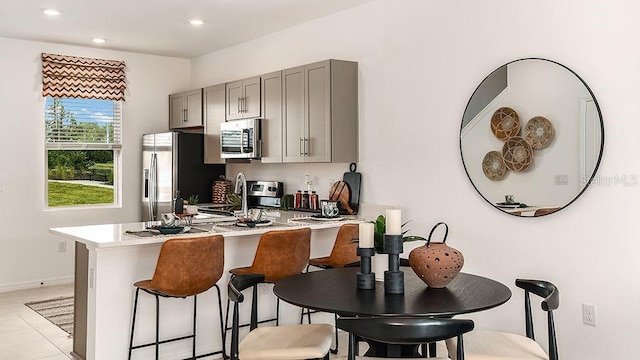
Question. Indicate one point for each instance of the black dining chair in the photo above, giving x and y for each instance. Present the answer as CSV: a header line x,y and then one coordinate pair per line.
x,y
397,331
283,342
485,345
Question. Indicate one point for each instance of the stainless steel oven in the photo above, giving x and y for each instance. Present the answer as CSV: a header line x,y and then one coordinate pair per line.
x,y
240,139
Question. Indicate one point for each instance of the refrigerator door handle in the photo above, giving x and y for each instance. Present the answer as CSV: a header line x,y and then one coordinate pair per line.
x,y
153,187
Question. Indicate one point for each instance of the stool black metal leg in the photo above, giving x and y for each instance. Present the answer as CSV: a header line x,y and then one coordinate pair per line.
x,y
157,327
223,331
193,348
277,311
335,320
254,308
133,322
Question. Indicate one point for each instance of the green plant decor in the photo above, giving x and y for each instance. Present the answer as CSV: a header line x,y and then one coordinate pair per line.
x,y
234,201
379,227
193,200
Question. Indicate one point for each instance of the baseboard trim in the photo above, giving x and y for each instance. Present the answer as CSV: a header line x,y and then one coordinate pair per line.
x,y
35,284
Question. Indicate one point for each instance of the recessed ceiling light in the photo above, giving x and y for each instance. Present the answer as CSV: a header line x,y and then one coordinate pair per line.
x,y
196,22
99,40
51,12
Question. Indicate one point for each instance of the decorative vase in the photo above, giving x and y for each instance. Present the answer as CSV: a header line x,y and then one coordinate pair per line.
x,y
191,209
380,264
436,263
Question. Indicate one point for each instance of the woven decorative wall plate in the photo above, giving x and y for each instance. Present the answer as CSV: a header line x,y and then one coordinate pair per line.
x,y
517,154
538,132
505,123
493,166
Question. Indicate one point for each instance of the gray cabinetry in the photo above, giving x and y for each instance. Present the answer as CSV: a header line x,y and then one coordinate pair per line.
x,y
272,117
243,99
320,112
214,115
185,109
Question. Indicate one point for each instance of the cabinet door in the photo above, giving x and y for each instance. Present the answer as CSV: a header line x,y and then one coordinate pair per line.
x,y
317,81
193,104
176,111
214,112
234,96
293,129
250,105
272,117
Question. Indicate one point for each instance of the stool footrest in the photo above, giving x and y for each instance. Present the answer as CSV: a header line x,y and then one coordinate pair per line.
x,y
259,322
163,341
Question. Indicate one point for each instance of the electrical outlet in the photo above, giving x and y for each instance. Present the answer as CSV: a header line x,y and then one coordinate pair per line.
x,y
330,182
308,180
589,314
0,186
62,245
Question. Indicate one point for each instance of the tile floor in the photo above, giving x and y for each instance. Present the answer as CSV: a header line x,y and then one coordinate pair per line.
x,y
25,335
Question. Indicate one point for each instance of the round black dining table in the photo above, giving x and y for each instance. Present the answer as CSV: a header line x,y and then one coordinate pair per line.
x,y
335,291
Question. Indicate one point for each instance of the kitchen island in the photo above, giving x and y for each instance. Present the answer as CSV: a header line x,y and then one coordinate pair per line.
x,y
109,258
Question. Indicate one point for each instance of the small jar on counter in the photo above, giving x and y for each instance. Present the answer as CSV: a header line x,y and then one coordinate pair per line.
x,y
305,200
314,201
298,200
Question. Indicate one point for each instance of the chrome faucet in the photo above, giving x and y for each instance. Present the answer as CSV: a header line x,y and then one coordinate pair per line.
x,y
241,183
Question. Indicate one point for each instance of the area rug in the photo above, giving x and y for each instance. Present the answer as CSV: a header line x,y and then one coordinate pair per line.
x,y
58,310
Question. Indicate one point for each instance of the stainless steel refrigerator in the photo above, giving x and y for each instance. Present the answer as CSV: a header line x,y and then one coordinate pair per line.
x,y
174,161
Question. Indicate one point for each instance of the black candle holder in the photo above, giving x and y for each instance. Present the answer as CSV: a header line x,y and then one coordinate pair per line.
x,y
393,278
365,278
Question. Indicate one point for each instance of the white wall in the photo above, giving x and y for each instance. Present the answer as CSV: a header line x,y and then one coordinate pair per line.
x,y
28,252
419,63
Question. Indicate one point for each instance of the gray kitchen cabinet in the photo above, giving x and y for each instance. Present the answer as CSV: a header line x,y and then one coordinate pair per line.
x,y
185,109
320,112
243,99
272,117
214,115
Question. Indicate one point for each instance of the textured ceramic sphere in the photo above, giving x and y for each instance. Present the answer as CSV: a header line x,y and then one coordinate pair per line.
x,y
436,263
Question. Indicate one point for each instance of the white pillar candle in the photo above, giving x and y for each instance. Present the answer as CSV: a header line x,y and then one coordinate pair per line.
x,y
366,235
394,222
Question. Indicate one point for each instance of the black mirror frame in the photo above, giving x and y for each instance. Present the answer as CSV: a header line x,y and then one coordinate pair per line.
x,y
595,170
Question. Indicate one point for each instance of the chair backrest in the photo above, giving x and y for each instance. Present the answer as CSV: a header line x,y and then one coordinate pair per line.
x,y
550,302
344,250
237,283
282,253
545,211
189,266
404,330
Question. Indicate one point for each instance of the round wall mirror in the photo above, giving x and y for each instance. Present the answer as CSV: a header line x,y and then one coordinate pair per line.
x,y
531,137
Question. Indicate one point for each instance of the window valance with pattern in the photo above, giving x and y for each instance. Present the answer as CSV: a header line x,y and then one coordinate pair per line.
x,y
79,77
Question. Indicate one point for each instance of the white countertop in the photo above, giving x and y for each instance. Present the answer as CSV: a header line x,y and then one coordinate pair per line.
x,y
113,235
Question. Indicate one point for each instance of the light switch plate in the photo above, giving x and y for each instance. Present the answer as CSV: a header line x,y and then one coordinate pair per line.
x,y
0,186
562,179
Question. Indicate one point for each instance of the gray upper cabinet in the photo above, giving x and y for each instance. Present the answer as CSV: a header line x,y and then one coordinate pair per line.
x,y
214,115
185,109
243,99
272,117
320,112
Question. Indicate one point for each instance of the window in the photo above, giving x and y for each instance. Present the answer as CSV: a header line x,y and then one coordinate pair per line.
x,y
82,129
82,142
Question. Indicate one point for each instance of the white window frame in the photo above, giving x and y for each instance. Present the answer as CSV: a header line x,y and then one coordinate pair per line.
x,y
117,153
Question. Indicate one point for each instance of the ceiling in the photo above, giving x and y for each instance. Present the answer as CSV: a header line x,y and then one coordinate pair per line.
x,y
159,27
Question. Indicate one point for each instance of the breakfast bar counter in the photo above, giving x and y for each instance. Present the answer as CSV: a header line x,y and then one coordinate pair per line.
x,y
109,258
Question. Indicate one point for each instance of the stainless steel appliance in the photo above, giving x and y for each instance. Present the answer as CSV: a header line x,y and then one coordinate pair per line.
x,y
240,139
174,161
264,194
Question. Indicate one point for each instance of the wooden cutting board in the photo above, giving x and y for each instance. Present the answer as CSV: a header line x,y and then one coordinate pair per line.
x,y
353,179
340,192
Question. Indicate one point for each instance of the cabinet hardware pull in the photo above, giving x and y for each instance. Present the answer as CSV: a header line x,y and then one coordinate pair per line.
x,y
239,109
301,146
186,115
306,146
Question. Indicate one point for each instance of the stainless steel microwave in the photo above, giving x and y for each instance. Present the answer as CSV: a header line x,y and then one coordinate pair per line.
x,y
240,139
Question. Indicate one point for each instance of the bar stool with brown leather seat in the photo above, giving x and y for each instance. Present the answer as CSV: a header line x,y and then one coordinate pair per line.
x,y
344,252
186,267
280,253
